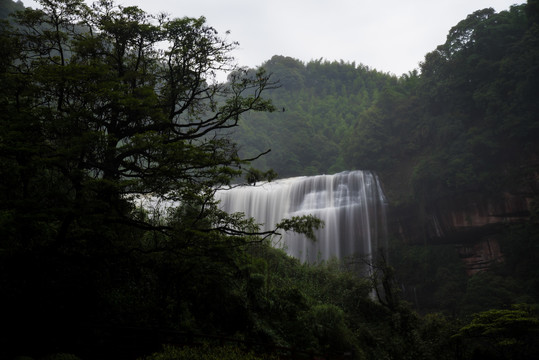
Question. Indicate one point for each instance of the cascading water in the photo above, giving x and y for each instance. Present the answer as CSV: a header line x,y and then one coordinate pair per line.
x,y
351,204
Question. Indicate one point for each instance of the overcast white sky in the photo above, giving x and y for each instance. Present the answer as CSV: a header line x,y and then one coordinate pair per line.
x,y
387,35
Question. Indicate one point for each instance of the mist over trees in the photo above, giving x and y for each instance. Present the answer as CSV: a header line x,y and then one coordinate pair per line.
x,y
98,118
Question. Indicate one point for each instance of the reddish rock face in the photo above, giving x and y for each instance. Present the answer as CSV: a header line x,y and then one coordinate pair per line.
x,y
480,255
474,211
474,220
471,221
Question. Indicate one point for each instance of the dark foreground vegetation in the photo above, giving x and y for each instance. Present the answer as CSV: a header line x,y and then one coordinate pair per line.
x,y
98,117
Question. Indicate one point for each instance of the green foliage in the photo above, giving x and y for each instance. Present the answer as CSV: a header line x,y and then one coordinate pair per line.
x,y
206,352
62,356
318,104
432,278
255,175
520,247
304,225
506,333
487,290
329,327
437,332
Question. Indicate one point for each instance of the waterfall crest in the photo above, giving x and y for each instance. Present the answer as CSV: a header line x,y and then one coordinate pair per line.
x,y
351,204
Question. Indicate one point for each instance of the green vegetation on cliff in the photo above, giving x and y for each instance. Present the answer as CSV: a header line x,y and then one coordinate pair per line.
x,y
318,104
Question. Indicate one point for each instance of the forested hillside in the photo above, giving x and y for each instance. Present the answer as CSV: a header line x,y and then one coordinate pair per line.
x,y
317,105
469,120
108,113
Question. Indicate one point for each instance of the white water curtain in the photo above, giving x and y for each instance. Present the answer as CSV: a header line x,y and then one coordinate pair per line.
x,y
351,204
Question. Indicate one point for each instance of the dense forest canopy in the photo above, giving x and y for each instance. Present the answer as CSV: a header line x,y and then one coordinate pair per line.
x,y
96,115
318,104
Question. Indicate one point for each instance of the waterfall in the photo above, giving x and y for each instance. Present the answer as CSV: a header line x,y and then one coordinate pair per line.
x,y
351,204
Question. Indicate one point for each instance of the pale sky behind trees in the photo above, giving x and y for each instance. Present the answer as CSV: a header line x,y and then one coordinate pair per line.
x,y
388,35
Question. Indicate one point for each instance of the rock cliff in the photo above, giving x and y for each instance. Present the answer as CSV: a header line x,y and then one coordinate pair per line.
x,y
471,221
